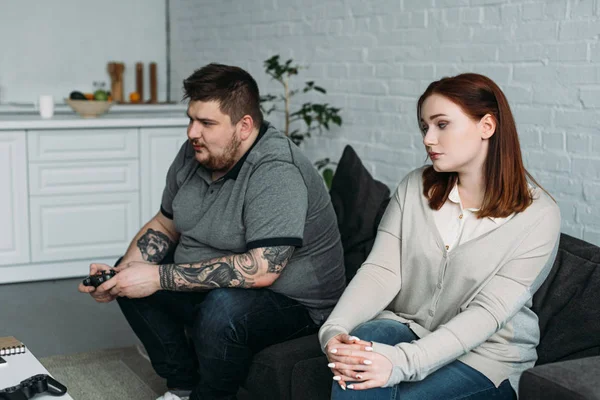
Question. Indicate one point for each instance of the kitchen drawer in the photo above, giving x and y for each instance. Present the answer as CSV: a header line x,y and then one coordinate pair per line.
x,y
83,226
83,177
82,144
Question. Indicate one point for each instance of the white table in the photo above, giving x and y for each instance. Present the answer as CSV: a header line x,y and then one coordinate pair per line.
x,y
22,366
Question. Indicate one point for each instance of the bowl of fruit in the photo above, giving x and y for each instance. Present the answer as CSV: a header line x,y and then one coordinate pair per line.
x,y
89,105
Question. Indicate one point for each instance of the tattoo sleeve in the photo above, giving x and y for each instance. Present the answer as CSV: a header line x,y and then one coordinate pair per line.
x,y
154,245
245,270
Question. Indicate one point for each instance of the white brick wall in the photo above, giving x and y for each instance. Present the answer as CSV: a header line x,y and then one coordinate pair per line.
x,y
376,57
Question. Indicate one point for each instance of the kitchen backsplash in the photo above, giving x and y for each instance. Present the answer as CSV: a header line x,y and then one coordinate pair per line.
x,y
53,48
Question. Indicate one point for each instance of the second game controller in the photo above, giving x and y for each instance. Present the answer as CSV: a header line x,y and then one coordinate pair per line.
x,y
99,278
28,388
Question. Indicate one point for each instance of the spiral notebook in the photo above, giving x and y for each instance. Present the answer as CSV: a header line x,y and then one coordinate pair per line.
x,y
10,345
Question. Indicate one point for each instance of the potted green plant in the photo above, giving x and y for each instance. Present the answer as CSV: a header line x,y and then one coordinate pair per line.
x,y
299,122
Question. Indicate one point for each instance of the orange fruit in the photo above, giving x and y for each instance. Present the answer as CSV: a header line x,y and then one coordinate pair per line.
x,y
89,96
134,97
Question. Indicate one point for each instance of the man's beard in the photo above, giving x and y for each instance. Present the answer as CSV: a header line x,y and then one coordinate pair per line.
x,y
224,161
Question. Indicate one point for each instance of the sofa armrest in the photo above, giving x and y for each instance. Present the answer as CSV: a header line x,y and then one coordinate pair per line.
x,y
270,374
564,380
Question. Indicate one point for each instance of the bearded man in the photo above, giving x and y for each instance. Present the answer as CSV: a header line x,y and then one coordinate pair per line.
x,y
244,252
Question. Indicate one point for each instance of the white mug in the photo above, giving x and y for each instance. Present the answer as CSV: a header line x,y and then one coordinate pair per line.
x,y
46,104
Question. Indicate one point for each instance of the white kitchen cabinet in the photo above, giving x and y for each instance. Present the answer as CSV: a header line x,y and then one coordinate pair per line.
x,y
159,146
84,193
14,218
74,190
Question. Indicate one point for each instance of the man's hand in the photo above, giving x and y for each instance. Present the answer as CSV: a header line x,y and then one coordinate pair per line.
x,y
367,368
99,294
350,343
134,279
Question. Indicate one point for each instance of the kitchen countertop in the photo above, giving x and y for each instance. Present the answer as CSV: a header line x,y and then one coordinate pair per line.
x,y
62,108
152,118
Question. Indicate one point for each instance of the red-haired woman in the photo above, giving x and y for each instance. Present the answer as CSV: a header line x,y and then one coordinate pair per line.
x,y
441,308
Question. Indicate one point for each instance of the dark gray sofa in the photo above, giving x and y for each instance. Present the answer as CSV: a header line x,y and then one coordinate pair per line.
x,y
567,304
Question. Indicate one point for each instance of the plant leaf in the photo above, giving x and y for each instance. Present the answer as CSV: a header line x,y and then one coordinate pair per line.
x,y
328,177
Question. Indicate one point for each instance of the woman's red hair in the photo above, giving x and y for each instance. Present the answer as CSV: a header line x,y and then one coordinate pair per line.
x,y
506,188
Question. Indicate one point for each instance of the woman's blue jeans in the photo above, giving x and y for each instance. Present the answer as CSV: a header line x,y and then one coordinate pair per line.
x,y
453,381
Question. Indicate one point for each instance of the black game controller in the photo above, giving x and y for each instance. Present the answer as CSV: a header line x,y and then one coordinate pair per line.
x,y
28,388
99,278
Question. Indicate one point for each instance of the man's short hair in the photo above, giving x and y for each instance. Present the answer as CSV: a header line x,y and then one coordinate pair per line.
x,y
233,88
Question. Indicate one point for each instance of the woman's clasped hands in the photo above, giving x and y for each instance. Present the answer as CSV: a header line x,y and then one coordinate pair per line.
x,y
355,365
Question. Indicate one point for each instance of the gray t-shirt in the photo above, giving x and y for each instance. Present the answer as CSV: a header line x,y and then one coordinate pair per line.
x,y
273,196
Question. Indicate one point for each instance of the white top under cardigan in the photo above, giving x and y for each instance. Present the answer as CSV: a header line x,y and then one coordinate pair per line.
x,y
471,303
459,225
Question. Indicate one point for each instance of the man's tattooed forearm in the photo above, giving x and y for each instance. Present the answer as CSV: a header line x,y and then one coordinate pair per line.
x,y
154,245
277,257
201,276
240,270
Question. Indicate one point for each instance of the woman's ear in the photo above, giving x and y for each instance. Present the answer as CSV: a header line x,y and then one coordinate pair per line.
x,y
488,126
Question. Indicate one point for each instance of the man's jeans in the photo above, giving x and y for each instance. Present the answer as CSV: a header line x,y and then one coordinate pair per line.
x,y
453,381
226,328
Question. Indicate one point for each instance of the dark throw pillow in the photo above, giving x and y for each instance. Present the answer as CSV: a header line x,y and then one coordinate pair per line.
x,y
359,202
568,303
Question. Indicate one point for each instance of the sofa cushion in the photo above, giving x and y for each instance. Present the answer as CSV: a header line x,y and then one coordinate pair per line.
x,y
270,374
567,380
359,202
568,303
